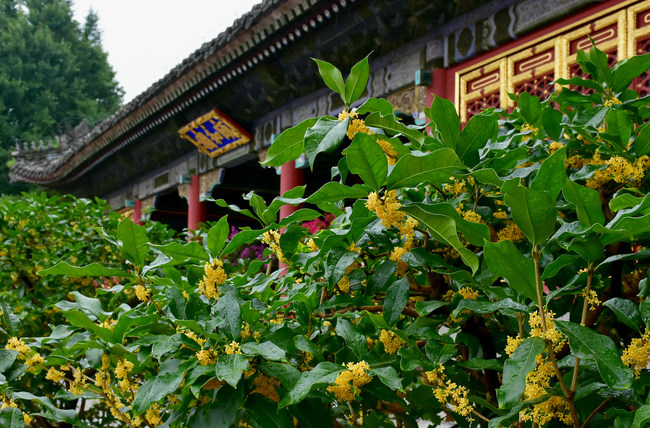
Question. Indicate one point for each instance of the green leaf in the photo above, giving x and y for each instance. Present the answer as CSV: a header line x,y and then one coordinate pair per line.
x,y
357,81
155,389
444,117
287,374
265,413
88,305
443,229
533,211
530,107
619,126
389,377
556,265
552,123
397,296
11,418
372,105
431,168
300,216
475,233
626,70
626,312
79,319
305,345
390,124
504,259
589,345
425,308
624,201
642,414
515,370
586,201
323,374
334,192
367,159
236,209
289,145
353,337
52,412
184,252
479,130
551,175
133,239
243,237
220,412
217,236
93,269
482,307
267,350
331,76
230,367
324,136
228,307
641,143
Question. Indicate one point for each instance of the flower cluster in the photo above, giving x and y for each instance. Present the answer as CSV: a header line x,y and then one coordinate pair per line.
x,y
448,392
391,153
348,383
214,276
272,239
637,355
391,341
266,385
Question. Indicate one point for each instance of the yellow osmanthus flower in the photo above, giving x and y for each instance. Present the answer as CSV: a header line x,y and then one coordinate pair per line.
x,y
152,415
358,125
511,232
245,330
272,239
526,127
538,383
449,392
142,293
500,214
397,253
312,245
637,355
347,113
554,147
391,341
611,100
592,299
79,383
468,293
456,187
190,334
213,277
15,344
344,284
618,169
123,368
471,216
233,348
8,402
265,385
391,153
551,335
206,357
54,375
348,383
109,323
512,344
353,247
102,380
386,208
34,360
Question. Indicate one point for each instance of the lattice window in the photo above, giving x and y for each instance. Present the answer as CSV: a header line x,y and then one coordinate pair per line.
x,y
476,106
642,83
541,86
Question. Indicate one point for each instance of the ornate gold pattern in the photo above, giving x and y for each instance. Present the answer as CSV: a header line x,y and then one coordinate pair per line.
x,y
618,31
214,133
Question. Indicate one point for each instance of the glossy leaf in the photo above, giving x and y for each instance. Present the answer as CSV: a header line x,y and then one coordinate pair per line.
x,y
353,337
397,297
589,345
324,136
515,370
367,159
626,312
93,269
444,118
478,131
230,368
323,374
289,145
217,236
356,82
391,125
331,76
551,176
432,168
533,211
504,259
134,244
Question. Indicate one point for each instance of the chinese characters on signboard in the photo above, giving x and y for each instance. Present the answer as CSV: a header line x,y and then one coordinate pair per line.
x,y
214,133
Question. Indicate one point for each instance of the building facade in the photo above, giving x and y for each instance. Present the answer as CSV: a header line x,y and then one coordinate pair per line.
x,y
259,76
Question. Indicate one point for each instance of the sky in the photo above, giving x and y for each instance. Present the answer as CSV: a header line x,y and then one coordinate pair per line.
x,y
145,39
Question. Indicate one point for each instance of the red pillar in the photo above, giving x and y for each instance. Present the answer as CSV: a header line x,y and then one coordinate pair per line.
x,y
290,177
197,210
136,216
439,86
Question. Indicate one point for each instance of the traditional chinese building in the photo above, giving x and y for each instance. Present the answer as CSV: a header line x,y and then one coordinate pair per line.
x,y
202,129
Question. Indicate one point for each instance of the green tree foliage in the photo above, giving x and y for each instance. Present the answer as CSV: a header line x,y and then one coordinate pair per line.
x,y
494,274
53,73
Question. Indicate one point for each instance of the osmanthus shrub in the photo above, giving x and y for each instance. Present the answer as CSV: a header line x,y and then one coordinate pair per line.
x,y
494,275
